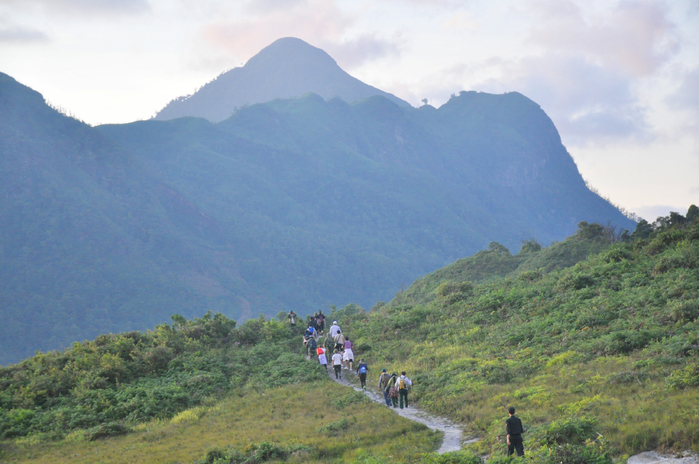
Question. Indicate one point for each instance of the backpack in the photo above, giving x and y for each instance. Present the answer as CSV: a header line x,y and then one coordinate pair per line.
x,y
362,369
312,343
401,383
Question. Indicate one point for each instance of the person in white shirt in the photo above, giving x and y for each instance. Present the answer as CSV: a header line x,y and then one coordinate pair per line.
x,y
335,329
337,364
322,359
403,383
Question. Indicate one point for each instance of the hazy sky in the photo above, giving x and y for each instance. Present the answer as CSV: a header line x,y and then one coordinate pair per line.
x,y
620,79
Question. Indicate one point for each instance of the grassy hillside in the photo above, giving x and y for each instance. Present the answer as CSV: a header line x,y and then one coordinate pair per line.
x,y
601,358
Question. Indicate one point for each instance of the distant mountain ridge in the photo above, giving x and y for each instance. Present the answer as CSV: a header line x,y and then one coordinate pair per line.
x,y
288,68
290,204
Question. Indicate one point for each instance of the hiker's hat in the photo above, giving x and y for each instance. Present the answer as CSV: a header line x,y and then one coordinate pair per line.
x,y
383,370
334,322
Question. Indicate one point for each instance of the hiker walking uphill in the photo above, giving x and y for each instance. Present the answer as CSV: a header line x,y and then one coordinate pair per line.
x,y
309,340
383,385
514,428
362,369
320,320
322,359
393,390
339,340
292,318
404,383
337,364
348,354
334,329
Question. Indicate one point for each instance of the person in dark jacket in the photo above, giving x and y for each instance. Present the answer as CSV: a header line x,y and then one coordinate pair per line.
x,y
514,433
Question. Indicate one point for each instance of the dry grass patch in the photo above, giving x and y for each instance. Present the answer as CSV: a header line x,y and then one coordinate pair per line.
x,y
294,415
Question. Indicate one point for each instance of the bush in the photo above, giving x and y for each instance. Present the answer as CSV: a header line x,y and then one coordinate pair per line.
x,y
684,378
251,454
110,429
573,430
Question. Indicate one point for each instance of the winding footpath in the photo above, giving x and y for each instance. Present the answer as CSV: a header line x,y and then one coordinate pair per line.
x,y
452,432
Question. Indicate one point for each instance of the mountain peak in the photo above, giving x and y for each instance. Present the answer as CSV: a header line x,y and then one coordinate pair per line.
x,y
287,68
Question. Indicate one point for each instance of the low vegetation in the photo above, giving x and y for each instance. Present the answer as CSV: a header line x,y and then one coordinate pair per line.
x,y
600,355
601,358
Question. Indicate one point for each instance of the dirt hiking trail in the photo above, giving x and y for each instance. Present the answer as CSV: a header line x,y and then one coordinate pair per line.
x,y
452,432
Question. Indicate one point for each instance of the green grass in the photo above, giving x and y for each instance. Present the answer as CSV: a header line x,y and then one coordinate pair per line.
x,y
607,349
298,415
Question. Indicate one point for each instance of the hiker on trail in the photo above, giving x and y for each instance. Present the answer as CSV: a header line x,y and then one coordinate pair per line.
x,y
383,385
320,319
393,390
348,357
329,344
311,332
362,369
322,359
334,329
339,340
309,340
292,318
348,344
337,364
312,322
404,383
515,430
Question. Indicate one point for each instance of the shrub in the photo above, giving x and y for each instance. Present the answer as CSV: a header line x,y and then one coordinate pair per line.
x,y
572,430
684,378
110,429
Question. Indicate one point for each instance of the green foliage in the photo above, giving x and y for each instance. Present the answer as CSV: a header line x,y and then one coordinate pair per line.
x,y
605,346
334,428
251,454
116,381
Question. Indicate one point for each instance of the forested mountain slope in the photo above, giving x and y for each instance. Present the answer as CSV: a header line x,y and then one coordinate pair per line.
x,y
291,204
601,359
90,241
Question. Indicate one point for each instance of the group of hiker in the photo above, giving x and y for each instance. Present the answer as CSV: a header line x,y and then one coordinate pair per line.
x,y
395,388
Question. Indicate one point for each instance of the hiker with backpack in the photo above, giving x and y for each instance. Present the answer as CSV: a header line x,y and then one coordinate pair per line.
x,y
362,370
403,383
383,385
339,340
393,390
337,364
292,318
309,340
322,359
514,428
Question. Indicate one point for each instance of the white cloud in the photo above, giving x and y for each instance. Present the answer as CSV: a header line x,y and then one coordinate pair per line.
x,y
22,35
79,7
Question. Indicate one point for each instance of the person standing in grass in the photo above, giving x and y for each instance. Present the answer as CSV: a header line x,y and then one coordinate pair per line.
x,y
515,430
404,383
362,370
292,318
337,364
383,385
322,359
